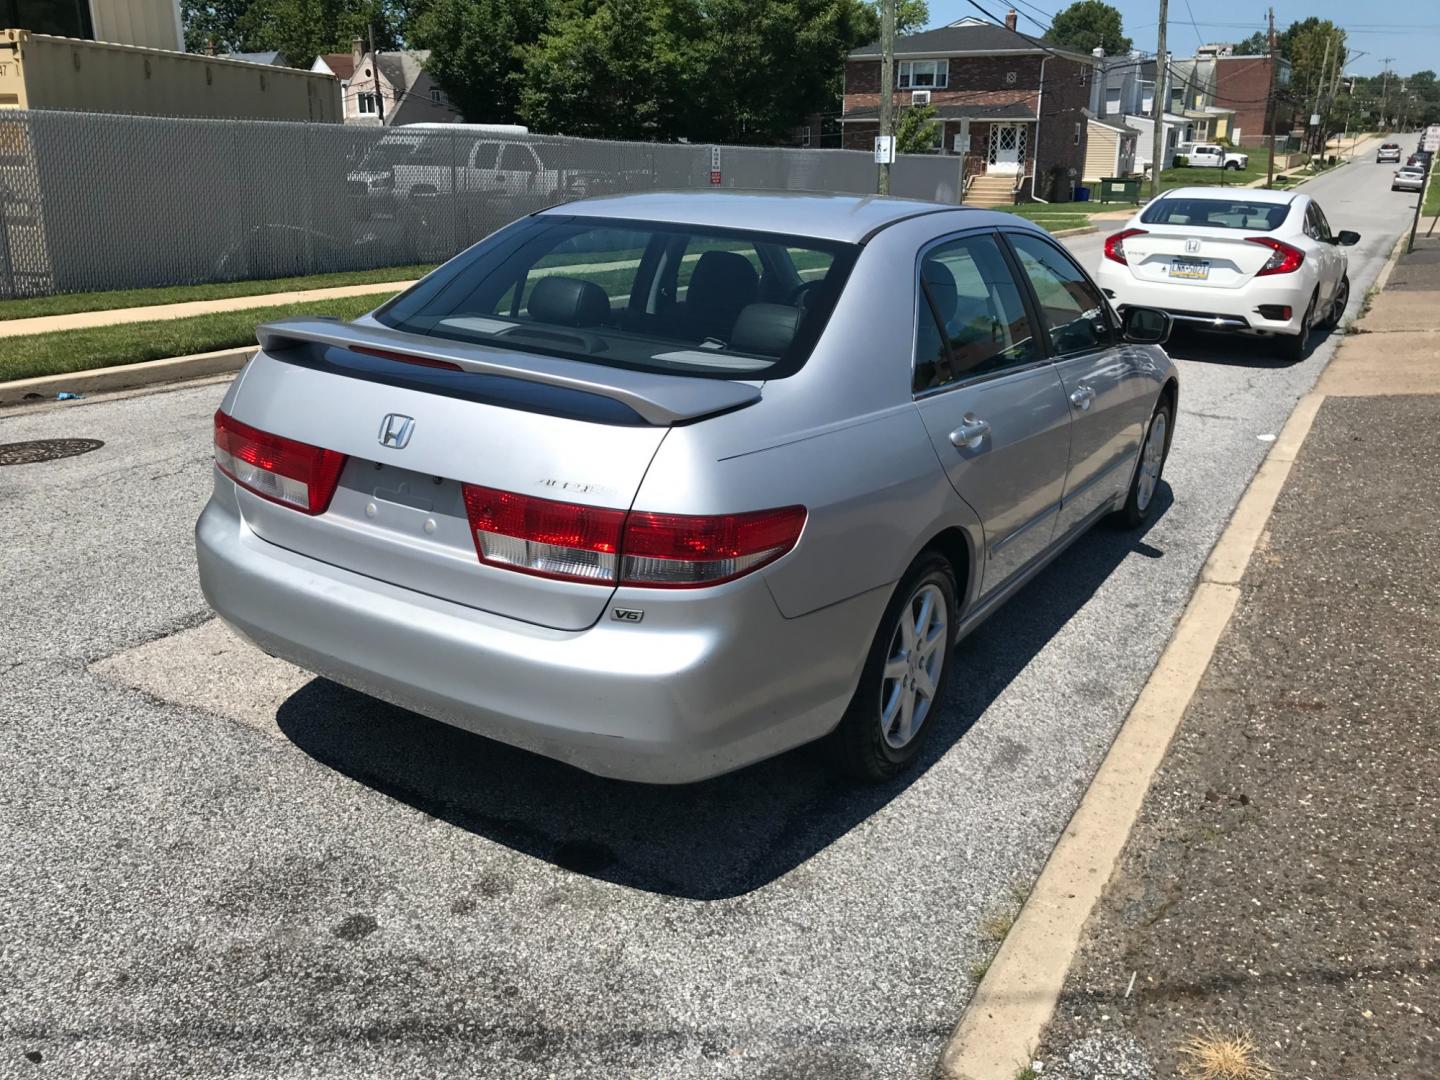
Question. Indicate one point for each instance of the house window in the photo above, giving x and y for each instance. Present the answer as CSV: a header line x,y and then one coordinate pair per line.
x,y
1147,97
1112,100
934,73
1077,134
436,97
365,102
1177,99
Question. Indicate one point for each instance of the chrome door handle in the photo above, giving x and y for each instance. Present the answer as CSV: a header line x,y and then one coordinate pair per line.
x,y
971,433
1081,397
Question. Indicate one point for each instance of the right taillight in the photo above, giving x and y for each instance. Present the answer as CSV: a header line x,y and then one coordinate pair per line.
x,y
1284,258
600,546
1115,245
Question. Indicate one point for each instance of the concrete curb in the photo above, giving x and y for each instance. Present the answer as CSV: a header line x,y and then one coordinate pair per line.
x,y
126,376
1005,1019
1079,230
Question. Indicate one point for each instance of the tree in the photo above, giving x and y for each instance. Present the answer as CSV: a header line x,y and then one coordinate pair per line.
x,y
213,24
299,29
1088,24
910,18
1305,44
1255,45
917,130
477,50
611,69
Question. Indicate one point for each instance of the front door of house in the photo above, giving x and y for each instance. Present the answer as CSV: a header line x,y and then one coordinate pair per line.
x,y
1007,148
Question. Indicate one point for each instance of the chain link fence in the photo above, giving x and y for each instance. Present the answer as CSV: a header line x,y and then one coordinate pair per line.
x,y
92,201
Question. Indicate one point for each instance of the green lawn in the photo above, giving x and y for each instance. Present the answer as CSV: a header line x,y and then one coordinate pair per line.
x,y
1057,216
68,303
130,343
1431,205
1198,177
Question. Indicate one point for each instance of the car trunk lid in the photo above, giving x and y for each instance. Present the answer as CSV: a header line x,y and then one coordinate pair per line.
x,y
1199,257
413,433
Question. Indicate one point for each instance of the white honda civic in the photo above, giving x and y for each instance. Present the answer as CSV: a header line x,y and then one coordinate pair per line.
x,y
1245,261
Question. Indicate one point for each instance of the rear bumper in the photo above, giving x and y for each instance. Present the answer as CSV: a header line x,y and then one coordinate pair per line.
x,y
676,698
1223,310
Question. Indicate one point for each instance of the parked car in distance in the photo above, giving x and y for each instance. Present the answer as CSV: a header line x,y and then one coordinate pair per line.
x,y
664,484
1239,261
1408,178
1212,156
372,182
1388,152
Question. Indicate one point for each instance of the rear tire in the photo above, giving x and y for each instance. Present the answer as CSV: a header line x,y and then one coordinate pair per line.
x,y
1292,346
1336,313
1140,502
891,714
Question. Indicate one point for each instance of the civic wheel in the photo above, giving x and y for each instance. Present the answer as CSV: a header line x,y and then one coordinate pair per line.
x,y
1292,346
1336,314
1148,469
904,676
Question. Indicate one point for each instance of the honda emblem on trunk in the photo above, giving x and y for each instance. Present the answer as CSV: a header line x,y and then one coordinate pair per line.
x,y
1192,246
395,430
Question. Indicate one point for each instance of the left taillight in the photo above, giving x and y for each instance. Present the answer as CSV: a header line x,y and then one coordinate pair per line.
x,y
291,473
614,547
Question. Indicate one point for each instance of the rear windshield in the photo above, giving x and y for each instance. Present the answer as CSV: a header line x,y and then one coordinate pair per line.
x,y
1217,213
656,297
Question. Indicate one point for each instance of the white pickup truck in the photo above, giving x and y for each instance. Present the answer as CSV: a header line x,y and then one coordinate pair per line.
x,y
1212,156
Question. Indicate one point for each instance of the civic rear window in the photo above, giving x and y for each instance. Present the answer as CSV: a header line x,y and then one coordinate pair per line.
x,y
1217,213
669,298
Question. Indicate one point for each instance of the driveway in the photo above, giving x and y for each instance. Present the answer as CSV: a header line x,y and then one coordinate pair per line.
x,y
346,890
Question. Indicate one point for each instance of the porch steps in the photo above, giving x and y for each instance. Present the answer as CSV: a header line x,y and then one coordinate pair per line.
x,y
991,190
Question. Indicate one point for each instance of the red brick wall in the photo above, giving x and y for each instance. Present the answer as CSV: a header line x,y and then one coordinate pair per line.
x,y
973,81
1242,83
1067,92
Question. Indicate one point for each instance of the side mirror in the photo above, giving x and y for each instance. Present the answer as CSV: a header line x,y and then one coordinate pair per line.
x,y
1347,238
1146,326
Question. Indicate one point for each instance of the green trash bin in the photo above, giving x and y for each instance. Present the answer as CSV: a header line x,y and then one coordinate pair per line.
x,y
1120,189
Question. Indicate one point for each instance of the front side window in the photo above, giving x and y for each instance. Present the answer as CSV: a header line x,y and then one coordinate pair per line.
x,y
660,297
1075,312
923,73
972,320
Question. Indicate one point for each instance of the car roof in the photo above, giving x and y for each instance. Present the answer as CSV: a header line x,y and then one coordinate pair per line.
x,y
1259,195
849,218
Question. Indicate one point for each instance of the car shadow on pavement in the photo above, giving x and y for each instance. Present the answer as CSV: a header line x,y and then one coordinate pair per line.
x,y
708,841
1236,350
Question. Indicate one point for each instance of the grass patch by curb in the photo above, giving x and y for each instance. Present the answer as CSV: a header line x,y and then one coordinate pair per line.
x,y
1431,206
131,343
70,303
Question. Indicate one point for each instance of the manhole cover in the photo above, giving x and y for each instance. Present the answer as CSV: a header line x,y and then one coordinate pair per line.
x,y
27,453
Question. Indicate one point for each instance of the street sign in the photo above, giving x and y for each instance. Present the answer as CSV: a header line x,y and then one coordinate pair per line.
x,y
885,149
1314,118
715,176
714,159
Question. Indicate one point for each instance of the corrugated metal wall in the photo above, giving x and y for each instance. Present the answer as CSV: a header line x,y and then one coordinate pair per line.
x,y
152,23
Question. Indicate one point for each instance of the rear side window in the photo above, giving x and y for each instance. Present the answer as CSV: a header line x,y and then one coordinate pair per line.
x,y
1217,213
662,297
972,320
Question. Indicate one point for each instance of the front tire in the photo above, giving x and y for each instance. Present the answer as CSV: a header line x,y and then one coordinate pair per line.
x,y
905,675
1140,502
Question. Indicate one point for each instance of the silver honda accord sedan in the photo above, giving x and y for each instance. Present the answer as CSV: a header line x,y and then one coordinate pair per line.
x,y
663,484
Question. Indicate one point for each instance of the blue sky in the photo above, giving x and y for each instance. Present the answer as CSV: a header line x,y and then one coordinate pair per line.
x,y
1379,30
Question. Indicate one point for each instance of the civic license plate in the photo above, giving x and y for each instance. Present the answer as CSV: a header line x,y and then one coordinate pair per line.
x,y
1190,269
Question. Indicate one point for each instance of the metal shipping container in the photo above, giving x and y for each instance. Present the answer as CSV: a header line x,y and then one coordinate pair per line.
x,y
42,72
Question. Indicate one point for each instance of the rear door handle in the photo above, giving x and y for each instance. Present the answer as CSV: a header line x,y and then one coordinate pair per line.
x,y
1081,397
971,433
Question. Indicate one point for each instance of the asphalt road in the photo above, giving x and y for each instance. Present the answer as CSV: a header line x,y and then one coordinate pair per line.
x,y
374,895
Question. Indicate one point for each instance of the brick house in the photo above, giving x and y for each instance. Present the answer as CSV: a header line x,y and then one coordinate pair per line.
x,y
1242,84
1026,103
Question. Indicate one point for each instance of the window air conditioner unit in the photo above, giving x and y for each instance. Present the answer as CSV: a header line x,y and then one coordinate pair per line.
x,y
920,97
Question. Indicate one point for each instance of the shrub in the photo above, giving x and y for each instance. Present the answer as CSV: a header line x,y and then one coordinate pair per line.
x,y
1181,161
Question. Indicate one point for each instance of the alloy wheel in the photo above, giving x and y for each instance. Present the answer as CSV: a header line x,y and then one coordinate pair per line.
x,y
912,672
1151,460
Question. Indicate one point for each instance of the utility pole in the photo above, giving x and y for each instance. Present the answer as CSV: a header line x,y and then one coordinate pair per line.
x,y
1270,103
887,83
1315,112
1157,146
1384,87
375,75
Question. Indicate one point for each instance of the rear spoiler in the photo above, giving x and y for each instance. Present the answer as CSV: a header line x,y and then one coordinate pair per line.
x,y
660,400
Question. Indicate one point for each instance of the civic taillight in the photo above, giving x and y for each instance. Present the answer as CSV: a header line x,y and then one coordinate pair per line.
x,y
1284,259
285,471
608,547
1115,245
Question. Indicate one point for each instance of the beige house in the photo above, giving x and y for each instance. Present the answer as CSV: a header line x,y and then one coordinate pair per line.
x,y
386,88
1110,150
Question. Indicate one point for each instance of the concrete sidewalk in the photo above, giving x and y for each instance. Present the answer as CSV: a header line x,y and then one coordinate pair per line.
x,y
1279,883
80,320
